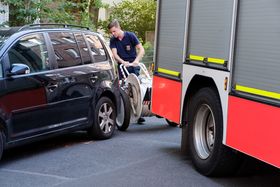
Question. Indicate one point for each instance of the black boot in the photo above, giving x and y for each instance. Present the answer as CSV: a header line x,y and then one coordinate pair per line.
x,y
141,120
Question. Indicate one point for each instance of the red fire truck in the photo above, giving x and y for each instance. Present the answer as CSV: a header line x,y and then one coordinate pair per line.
x,y
217,74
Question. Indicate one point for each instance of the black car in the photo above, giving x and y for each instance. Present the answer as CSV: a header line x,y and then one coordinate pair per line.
x,y
55,79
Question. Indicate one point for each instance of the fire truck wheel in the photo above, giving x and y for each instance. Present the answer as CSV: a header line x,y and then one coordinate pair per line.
x,y
209,156
171,123
123,117
104,123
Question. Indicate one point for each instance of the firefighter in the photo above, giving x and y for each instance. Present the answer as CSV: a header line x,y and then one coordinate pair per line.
x,y
127,50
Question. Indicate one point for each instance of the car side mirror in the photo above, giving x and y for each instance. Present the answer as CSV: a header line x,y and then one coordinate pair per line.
x,y
18,69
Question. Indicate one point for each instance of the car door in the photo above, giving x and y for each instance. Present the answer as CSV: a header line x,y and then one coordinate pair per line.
x,y
73,80
26,98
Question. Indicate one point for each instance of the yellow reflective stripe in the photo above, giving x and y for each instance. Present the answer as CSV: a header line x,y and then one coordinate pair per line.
x,y
210,60
168,72
195,57
216,60
255,91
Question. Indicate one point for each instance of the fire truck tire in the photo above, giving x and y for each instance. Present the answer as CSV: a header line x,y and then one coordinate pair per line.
x,y
171,123
208,154
123,118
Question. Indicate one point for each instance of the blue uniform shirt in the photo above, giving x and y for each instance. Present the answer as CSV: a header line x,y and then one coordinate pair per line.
x,y
126,47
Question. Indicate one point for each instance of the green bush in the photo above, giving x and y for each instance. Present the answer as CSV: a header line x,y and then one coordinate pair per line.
x,y
149,55
137,16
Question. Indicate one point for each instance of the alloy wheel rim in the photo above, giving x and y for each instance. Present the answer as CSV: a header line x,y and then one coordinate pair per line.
x,y
105,118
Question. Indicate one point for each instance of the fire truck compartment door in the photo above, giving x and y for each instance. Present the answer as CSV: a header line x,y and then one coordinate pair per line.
x,y
170,52
256,62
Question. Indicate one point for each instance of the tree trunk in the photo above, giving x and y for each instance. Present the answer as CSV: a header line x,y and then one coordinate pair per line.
x,y
93,13
13,18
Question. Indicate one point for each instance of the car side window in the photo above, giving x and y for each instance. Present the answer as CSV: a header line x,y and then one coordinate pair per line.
x,y
83,48
66,49
96,47
30,50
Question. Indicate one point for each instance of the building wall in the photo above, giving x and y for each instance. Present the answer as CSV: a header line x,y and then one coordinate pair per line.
x,y
4,17
105,13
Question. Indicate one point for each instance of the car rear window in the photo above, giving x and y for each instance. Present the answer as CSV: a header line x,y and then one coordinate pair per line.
x,y
97,49
83,48
66,49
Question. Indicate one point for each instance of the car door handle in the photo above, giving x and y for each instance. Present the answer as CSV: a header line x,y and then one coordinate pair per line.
x,y
52,86
93,78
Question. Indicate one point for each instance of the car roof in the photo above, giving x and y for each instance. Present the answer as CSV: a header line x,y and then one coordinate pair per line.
x,y
8,31
10,34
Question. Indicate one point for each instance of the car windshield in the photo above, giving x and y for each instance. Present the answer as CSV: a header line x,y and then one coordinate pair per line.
x,y
5,33
3,38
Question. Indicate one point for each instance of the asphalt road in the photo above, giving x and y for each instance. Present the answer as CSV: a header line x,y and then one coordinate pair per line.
x,y
144,155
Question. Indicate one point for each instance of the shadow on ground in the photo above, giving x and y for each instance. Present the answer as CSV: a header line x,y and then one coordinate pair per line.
x,y
39,147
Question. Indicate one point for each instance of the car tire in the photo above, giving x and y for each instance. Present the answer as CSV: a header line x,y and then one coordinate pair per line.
x,y
171,123
104,122
208,154
123,117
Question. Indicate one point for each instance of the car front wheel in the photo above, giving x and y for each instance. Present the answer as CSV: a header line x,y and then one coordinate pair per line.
x,y
104,122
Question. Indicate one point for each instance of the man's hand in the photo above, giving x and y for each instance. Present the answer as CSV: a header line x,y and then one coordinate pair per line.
x,y
126,63
135,63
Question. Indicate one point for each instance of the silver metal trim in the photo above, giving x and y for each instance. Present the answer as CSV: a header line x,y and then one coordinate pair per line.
x,y
156,34
233,35
187,20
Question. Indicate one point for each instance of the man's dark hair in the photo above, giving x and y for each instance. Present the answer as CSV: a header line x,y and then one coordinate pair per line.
x,y
113,23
